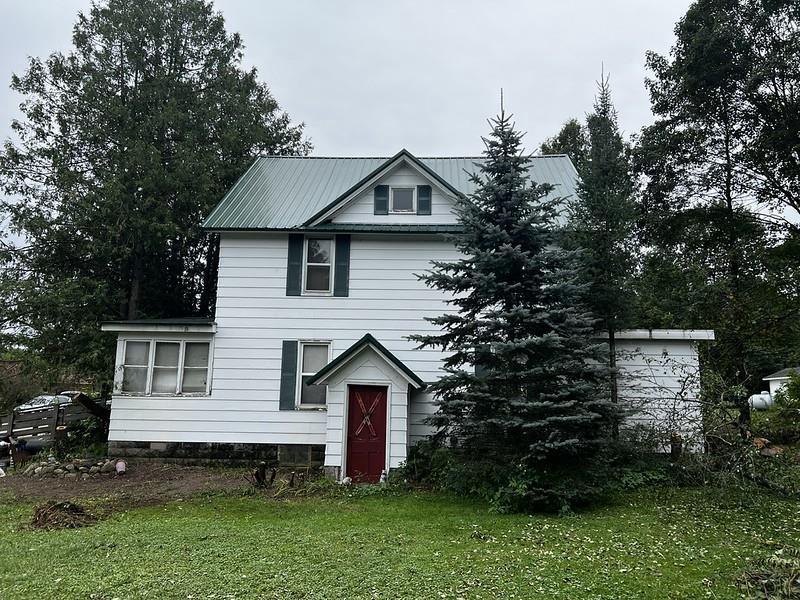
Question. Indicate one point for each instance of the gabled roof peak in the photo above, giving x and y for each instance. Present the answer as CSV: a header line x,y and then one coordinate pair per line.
x,y
376,174
367,341
384,157
284,192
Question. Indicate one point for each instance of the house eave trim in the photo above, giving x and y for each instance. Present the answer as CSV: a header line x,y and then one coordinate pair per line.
x,y
368,341
666,334
132,327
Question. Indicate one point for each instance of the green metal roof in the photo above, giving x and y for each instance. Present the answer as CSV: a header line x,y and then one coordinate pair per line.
x,y
285,192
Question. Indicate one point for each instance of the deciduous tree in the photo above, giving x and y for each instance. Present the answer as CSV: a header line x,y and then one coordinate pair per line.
x,y
125,143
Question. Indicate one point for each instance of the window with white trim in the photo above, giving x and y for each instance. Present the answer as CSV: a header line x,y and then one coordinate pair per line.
x,y
318,266
313,356
135,366
402,199
165,367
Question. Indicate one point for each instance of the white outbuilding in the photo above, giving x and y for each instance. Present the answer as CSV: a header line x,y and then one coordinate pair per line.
x,y
779,379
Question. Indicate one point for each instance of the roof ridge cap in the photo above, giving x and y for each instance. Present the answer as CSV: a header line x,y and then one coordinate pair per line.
x,y
328,157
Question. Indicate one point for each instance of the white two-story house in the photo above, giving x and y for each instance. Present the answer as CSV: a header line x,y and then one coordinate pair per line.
x,y
307,360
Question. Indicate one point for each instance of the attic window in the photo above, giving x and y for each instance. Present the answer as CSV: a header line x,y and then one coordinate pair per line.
x,y
402,200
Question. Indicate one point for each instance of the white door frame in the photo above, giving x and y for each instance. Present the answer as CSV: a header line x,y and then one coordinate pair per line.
x,y
346,419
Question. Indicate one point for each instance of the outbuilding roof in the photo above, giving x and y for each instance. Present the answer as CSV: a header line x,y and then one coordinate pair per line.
x,y
783,373
285,192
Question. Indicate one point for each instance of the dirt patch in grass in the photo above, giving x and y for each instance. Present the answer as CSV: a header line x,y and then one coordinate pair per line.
x,y
145,484
61,515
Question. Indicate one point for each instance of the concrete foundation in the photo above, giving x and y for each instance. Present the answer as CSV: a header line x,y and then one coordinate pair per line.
x,y
275,455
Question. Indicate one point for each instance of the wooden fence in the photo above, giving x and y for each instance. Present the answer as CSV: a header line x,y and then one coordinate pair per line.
x,y
40,426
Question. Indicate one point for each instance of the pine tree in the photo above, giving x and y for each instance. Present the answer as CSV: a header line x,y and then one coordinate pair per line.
x,y
602,223
523,377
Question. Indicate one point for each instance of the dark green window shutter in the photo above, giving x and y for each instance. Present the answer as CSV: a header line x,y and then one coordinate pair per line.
x,y
294,269
423,199
381,199
288,375
341,271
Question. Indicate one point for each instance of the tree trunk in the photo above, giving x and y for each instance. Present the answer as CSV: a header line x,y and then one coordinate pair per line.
x,y
209,292
135,287
612,361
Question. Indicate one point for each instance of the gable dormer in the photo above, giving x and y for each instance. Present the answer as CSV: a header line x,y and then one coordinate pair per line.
x,y
401,191
284,193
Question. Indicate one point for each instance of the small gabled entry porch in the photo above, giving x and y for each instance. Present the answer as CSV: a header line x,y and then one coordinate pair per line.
x,y
367,416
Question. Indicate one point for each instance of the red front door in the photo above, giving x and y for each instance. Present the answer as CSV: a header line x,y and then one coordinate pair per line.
x,y
366,433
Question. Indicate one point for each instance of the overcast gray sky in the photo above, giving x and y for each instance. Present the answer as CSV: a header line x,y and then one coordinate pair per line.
x,y
370,77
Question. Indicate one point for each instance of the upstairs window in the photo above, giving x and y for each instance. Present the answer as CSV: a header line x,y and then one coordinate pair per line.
x,y
165,367
317,266
402,200
313,356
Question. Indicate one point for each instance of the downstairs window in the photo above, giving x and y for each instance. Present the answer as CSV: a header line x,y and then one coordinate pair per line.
x,y
165,367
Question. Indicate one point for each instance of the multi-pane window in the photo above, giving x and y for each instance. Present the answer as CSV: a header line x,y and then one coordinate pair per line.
x,y
135,366
165,367
313,356
318,265
402,199
195,367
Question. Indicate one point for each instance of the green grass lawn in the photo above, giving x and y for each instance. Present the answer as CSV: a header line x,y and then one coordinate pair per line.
x,y
652,544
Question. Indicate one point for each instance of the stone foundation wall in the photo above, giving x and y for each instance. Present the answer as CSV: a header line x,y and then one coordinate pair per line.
x,y
275,455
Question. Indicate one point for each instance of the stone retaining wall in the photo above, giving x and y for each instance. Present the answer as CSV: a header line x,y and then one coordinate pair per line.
x,y
71,469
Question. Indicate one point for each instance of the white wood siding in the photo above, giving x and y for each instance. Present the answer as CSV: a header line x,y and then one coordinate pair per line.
x,y
367,368
658,381
386,299
254,316
362,210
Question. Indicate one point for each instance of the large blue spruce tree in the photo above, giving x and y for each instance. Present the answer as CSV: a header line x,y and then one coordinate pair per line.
x,y
525,387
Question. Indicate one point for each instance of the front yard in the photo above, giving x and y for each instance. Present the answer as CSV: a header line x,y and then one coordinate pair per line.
x,y
660,543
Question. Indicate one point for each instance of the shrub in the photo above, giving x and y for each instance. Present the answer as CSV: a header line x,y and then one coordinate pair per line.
x,y
781,423
85,437
552,489
520,487
430,464
775,577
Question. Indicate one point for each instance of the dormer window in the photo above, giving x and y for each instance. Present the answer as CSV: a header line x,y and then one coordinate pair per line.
x,y
402,200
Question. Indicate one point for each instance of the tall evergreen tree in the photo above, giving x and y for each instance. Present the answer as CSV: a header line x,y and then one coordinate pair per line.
x,y
124,145
602,223
523,382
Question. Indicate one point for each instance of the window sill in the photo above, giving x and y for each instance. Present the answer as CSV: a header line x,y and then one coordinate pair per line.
x,y
317,294
310,407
